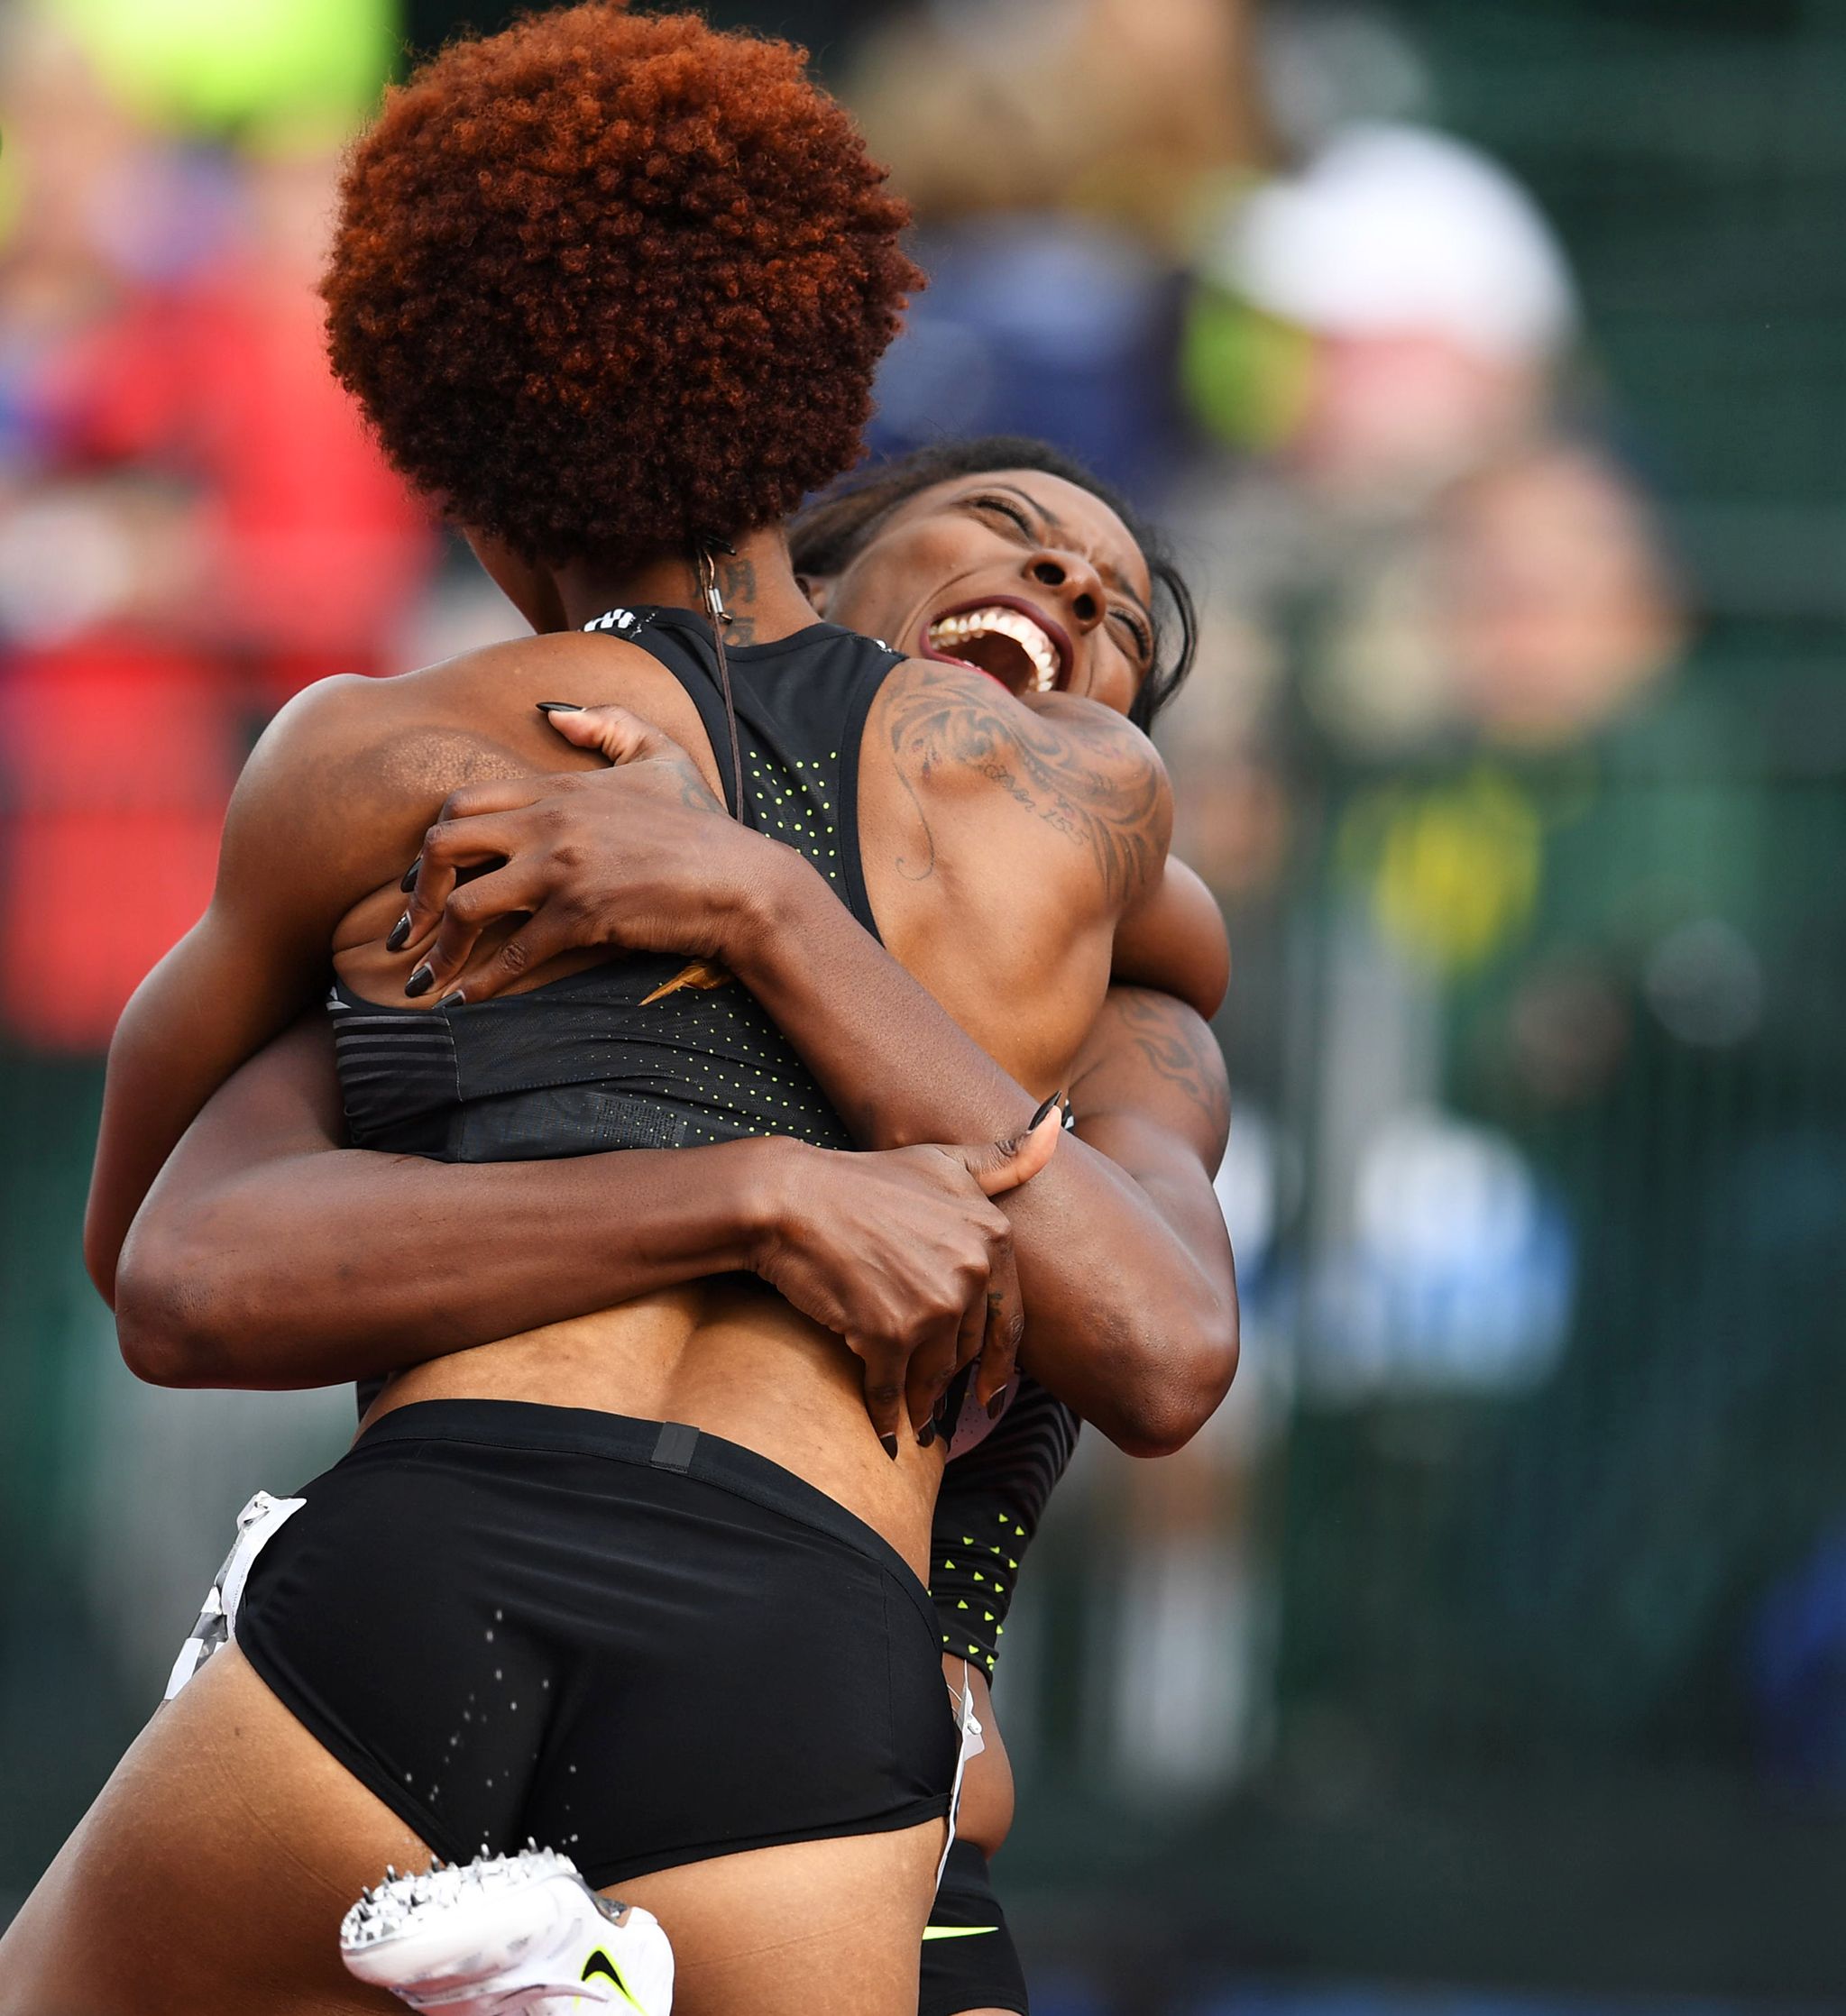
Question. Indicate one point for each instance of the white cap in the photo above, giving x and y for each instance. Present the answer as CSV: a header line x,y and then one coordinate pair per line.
x,y
1394,230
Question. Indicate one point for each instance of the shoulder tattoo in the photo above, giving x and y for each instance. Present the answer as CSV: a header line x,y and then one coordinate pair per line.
x,y
1088,780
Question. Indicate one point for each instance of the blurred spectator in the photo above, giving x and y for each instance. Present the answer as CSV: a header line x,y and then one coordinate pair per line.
x,y
192,523
1111,109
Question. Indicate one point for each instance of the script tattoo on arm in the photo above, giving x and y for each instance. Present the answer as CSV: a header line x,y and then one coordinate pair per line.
x,y
1088,779
1180,1048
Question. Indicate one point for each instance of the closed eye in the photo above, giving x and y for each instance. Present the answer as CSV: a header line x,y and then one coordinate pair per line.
x,y
1138,630
1005,508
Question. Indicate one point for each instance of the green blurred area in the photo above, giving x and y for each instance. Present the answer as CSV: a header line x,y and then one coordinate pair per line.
x,y
1515,1736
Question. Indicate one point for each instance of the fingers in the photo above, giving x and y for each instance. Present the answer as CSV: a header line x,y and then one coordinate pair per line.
x,y
512,891
543,936
1005,1311
612,731
1004,1166
885,1367
448,846
933,1364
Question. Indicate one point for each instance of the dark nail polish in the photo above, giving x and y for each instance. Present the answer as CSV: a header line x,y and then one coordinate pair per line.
x,y
419,982
455,999
410,881
889,1443
1043,1111
926,1435
560,707
401,931
995,1404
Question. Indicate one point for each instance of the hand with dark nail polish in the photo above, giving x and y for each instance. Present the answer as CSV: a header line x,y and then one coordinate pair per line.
x,y
889,1445
419,982
926,1435
401,931
1043,1111
560,707
410,881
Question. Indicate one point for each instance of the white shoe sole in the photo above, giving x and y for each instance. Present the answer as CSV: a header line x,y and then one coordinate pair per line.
x,y
505,1936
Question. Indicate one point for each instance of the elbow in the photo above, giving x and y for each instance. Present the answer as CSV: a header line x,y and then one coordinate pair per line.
x,y
1182,1384
170,1315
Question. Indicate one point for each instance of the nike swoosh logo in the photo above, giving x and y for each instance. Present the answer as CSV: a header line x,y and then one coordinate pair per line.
x,y
600,1963
956,1931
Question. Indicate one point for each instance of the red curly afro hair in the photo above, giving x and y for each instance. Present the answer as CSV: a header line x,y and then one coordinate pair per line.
x,y
608,282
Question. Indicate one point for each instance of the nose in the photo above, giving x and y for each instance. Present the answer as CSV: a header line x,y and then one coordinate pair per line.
x,y
1077,583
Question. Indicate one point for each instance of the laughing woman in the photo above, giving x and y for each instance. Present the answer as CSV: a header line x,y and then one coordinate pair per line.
x,y
641,1582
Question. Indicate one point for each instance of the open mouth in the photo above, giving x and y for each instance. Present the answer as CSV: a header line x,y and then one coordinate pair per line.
x,y
1005,639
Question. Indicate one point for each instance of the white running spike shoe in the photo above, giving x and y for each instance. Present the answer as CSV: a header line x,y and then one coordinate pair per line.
x,y
520,1935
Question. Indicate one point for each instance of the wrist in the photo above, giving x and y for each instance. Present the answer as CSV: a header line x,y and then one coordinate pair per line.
x,y
768,906
774,1171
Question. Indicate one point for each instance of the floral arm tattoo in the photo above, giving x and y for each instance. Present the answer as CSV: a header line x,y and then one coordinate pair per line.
x,y
1179,1045
1085,778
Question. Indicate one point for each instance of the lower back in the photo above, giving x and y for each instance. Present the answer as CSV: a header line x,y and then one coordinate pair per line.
x,y
727,1356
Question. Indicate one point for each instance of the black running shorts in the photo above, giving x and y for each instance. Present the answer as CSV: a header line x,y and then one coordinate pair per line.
x,y
630,1641
969,1957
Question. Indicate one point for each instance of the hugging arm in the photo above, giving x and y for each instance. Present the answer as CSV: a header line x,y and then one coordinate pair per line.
x,y
269,1255
1133,1324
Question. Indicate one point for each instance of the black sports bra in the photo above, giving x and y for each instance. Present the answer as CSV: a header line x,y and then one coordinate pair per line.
x,y
588,1062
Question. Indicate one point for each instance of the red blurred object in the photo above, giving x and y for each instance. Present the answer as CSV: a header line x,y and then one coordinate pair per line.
x,y
119,757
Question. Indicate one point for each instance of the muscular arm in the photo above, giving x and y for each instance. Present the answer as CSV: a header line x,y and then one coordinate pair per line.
x,y
269,1255
250,964
1131,1323
1134,1331
1175,943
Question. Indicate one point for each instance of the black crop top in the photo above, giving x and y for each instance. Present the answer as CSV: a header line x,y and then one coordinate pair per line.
x,y
588,1063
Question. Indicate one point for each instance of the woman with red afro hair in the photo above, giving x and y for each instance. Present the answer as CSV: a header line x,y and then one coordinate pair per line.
x,y
643,1584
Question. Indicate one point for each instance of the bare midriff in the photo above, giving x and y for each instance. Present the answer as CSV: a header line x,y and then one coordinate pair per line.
x,y
730,1357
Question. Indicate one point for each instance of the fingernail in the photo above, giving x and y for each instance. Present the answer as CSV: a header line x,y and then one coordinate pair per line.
x,y
454,999
926,1435
419,982
401,931
995,1404
410,881
1043,1111
560,707
890,1446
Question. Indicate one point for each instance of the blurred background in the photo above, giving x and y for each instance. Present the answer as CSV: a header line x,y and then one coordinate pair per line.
x,y
1489,1650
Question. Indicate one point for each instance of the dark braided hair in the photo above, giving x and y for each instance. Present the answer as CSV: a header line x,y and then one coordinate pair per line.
x,y
829,534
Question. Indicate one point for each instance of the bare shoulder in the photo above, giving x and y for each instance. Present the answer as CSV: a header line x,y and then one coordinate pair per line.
x,y
1090,780
348,775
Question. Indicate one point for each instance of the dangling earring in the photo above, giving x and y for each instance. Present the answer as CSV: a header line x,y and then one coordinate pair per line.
x,y
708,973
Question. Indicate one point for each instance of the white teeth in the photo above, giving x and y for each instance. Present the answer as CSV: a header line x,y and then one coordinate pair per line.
x,y
1006,623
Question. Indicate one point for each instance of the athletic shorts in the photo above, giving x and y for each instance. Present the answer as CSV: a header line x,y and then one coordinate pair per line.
x,y
969,1957
627,1640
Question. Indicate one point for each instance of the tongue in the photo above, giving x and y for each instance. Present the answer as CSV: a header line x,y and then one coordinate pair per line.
x,y
992,652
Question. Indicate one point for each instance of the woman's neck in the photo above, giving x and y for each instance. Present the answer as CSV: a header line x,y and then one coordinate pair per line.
x,y
757,584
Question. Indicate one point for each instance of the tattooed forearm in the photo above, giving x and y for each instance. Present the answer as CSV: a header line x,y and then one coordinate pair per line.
x,y
1179,1045
1087,778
